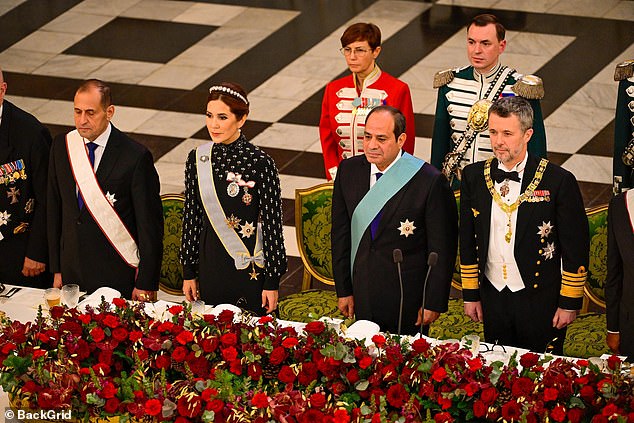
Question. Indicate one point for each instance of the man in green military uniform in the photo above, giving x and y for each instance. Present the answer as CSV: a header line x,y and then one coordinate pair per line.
x,y
460,135
623,158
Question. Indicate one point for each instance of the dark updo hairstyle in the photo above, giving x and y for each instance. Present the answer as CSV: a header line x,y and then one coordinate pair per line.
x,y
233,95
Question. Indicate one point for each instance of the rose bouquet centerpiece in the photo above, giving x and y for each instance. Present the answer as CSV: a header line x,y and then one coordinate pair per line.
x,y
116,360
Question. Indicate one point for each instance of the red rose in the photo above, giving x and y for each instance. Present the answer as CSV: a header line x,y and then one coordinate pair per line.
x,y
120,334
56,312
97,334
522,387
529,360
189,405
210,344
166,327
120,302
286,375
558,414
341,416
153,407
208,394
317,400
614,363
38,353
338,388
575,415
479,409
229,339
290,342
420,345
108,390
142,354
475,364
365,362
443,418
265,319
260,400
225,316
215,405
587,394
163,361
445,403
599,419
397,395
511,411
101,369
277,356
471,388
439,374
175,309
111,406
235,367
179,354
84,318
184,337
229,354
489,395
315,327
379,340
136,335
550,394
352,376
582,362
254,371
610,410
111,321
308,373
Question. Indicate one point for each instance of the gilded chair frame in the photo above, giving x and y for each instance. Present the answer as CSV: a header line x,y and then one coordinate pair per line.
x,y
587,289
309,270
162,286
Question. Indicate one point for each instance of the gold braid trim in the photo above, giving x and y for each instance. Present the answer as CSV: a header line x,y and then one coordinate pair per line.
x,y
530,87
624,70
443,77
572,283
510,208
469,276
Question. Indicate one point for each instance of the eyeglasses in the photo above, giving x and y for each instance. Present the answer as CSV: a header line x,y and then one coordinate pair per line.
x,y
347,51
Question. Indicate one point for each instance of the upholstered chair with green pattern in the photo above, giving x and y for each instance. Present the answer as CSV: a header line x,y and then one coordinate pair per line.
x,y
171,278
597,267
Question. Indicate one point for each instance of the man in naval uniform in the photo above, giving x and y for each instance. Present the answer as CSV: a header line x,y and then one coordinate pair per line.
x,y
24,148
623,158
457,138
523,238
105,219
348,100
411,209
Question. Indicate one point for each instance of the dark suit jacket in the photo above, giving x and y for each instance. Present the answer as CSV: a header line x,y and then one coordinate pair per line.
x,y
22,136
426,201
78,248
619,285
565,211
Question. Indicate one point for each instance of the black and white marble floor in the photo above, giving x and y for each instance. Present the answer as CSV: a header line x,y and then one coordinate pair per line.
x,y
160,56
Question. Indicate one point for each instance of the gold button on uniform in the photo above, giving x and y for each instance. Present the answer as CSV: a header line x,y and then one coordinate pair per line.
x,y
540,251
539,262
535,286
536,273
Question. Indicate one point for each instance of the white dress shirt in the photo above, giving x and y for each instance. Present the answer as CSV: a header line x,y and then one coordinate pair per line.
x,y
374,169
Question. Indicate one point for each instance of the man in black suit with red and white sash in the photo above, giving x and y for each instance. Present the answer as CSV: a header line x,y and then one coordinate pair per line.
x,y
105,225
410,208
524,240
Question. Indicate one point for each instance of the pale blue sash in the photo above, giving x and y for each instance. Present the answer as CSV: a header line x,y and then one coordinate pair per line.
x,y
228,236
372,203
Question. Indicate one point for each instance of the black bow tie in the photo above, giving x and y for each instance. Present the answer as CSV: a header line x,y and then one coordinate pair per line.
x,y
500,176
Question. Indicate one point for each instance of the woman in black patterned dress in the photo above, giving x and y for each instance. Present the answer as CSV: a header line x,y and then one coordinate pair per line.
x,y
232,198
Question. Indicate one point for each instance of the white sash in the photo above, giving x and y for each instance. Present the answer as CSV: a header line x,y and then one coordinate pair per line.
x,y
98,205
228,236
629,203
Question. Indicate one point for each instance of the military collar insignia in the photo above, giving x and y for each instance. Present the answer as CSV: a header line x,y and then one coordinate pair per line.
x,y
407,228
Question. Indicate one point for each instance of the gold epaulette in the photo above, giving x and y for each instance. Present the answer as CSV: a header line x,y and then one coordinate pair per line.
x,y
624,70
530,87
572,283
443,77
469,276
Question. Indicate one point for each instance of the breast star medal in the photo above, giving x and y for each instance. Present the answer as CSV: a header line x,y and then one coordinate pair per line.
x,y
4,217
247,230
253,275
545,229
110,198
407,228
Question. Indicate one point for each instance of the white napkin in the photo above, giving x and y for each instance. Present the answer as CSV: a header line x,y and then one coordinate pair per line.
x,y
363,329
94,299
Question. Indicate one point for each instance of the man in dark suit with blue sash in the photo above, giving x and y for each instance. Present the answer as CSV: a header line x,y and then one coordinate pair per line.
x,y
385,200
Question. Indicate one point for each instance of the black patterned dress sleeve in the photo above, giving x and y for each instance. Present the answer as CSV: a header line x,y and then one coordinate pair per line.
x,y
192,221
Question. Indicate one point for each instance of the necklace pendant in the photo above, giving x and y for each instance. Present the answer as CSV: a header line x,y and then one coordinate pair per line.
x,y
508,236
233,189
504,189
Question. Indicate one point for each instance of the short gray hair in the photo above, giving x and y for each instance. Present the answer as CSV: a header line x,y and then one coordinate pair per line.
x,y
518,106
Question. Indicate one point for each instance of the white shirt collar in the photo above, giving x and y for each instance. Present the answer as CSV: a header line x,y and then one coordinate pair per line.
x,y
374,170
519,167
102,139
